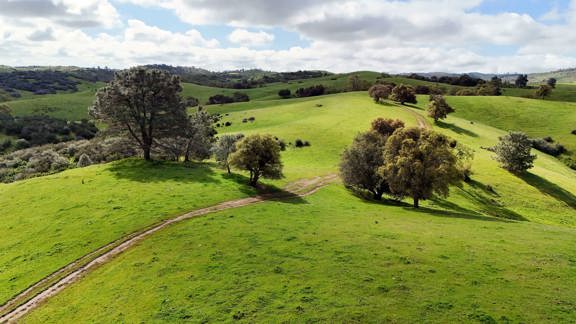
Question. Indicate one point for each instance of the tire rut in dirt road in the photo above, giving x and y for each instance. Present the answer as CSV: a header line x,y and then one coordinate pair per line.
x,y
56,282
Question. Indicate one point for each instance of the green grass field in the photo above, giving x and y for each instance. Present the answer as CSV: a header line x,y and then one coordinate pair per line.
x,y
333,258
538,118
504,254
51,221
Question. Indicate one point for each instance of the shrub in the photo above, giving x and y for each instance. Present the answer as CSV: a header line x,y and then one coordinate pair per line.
x,y
574,132
21,144
547,145
227,124
422,89
240,97
47,161
299,143
191,102
84,161
312,91
285,93
386,126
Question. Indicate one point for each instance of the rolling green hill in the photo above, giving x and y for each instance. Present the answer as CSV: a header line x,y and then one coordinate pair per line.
x,y
481,254
502,254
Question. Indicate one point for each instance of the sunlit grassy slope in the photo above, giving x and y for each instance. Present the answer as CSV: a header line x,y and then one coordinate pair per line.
x,y
503,253
64,219
538,118
48,222
69,106
333,258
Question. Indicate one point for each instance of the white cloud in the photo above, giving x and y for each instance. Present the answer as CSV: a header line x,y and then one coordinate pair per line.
x,y
344,35
250,39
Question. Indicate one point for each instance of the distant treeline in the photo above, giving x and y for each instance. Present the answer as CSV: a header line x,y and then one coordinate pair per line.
x,y
238,79
37,82
463,80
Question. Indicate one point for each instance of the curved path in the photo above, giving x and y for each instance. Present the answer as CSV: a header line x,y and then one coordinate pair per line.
x,y
56,282
422,122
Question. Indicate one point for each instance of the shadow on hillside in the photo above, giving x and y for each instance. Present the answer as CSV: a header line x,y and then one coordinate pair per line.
x,y
457,214
449,209
456,129
270,192
386,103
548,188
486,200
161,171
413,106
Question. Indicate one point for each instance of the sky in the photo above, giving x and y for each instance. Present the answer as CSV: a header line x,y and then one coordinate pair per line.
x,y
490,36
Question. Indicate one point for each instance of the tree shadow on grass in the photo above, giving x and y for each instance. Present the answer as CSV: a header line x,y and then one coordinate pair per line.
x,y
456,129
548,188
161,171
413,106
486,199
449,210
267,191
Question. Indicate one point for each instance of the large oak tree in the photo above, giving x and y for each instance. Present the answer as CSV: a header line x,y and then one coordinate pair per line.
x,y
419,163
146,104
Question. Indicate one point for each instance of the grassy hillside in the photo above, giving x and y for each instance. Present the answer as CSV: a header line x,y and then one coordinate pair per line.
x,y
502,253
51,221
69,106
562,92
333,258
537,118
74,106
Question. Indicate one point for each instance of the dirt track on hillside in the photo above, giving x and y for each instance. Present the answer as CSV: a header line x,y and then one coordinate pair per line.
x,y
44,289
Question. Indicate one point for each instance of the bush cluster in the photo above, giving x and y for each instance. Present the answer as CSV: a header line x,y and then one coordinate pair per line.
x,y
548,146
37,82
41,160
221,99
301,143
40,130
312,91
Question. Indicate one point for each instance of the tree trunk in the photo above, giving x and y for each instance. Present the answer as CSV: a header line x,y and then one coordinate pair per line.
x,y
254,179
416,205
147,155
228,167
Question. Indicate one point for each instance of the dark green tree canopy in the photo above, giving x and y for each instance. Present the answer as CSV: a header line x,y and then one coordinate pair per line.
x,y
521,81
514,152
145,104
404,94
360,163
386,127
380,92
419,163
438,108
259,155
